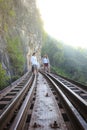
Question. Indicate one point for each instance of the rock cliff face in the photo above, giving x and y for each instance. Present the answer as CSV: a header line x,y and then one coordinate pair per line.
x,y
20,34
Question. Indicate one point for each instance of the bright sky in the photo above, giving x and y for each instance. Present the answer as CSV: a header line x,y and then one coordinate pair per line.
x,y
66,20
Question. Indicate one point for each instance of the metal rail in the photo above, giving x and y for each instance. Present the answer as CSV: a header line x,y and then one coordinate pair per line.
x,y
7,114
8,89
22,114
77,101
72,81
75,117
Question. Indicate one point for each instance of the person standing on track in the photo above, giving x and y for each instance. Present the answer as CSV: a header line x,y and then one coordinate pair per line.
x,y
34,63
46,63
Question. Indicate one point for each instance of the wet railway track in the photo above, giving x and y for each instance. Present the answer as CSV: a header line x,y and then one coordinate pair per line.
x,y
42,103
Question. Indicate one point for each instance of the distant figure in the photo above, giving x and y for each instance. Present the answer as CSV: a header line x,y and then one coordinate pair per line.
x,y
46,63
34,63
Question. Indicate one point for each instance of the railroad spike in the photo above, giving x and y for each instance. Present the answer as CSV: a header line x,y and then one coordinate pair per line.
x,y
35,125
55,125
47,95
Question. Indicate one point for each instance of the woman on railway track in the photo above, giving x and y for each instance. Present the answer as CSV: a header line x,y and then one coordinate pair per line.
x,y
34,63
46,63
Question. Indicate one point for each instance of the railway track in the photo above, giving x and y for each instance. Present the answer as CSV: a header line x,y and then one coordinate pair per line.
x,y
43,103
76,94
12,99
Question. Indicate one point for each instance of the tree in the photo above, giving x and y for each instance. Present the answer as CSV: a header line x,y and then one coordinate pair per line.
x,y
3,77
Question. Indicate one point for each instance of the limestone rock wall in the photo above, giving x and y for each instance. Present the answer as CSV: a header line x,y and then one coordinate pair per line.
x,y
20,20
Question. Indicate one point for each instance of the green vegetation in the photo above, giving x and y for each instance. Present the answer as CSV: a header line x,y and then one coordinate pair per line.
x,y
3,77
15,52
7,14
65,60
12,13
17,60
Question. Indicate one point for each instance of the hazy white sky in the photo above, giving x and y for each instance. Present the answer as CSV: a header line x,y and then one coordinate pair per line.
x,y
66,20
